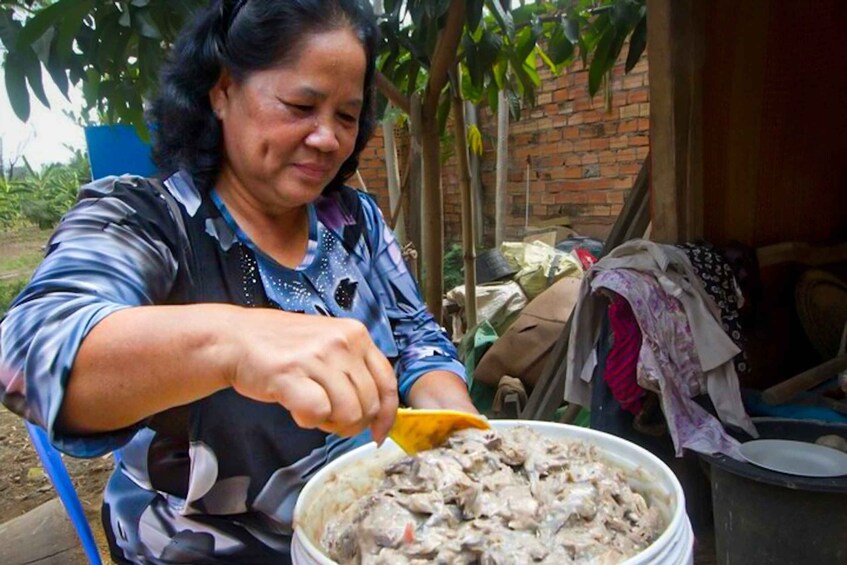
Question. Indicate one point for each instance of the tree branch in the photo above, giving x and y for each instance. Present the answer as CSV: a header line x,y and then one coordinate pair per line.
x,y
445,53
392,92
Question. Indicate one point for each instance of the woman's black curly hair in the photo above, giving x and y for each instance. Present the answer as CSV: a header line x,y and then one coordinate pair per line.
x,y
244,36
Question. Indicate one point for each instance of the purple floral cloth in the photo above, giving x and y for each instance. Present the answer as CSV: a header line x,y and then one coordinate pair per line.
x,y
668,362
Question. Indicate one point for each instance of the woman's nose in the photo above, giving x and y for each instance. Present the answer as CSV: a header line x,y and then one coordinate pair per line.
x,y
323,137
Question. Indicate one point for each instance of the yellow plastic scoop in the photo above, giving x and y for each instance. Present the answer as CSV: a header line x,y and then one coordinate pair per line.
x,y
417,430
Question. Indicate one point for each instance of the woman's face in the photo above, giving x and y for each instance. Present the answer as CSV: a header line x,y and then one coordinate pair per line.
x,y
287,130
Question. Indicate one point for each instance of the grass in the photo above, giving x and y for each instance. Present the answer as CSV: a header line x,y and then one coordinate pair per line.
x,y
20,253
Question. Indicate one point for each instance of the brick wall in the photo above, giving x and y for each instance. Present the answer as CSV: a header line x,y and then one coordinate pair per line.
x,y
582,158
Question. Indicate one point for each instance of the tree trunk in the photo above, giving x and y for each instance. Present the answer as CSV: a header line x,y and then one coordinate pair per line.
x,y
443,60
502,168
393,179
433,228
468,240
472,115
415,180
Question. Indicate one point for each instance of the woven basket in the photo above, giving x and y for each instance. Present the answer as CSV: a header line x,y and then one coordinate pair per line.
x,y
821,300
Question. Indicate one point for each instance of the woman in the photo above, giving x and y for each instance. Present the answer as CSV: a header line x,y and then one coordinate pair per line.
x,y
231,330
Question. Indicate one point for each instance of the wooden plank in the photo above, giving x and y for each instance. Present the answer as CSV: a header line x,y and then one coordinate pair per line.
x,y
44,535
788,389
675,36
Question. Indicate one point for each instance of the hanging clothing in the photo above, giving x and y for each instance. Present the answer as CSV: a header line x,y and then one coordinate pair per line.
x,y
673,273
668,363
719,281
622,361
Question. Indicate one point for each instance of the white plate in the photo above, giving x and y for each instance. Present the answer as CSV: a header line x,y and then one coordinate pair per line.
x,y
795,457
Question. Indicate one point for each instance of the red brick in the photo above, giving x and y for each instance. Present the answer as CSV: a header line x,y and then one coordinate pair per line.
x,y
610,170
627,126
636,96
630,111
588,184
615,197
639,140
581,145
560,95
629,168
619,142
633,81
599,143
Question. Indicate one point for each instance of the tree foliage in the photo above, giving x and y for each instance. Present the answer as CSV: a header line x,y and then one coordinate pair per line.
x,y
113,49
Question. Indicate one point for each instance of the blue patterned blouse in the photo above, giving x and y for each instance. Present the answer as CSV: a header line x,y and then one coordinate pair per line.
x,y
215,481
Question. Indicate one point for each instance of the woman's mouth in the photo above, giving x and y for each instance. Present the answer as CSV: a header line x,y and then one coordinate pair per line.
x,y
312,171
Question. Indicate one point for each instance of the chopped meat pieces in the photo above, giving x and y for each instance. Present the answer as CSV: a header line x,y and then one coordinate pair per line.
x,y
489,497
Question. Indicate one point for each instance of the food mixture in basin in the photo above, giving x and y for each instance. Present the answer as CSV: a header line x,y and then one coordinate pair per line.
x,y
495,497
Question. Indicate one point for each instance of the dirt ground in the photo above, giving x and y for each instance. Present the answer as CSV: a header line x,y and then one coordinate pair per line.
x,y
24,485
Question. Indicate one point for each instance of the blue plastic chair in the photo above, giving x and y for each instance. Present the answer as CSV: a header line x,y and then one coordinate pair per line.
x,y
58,473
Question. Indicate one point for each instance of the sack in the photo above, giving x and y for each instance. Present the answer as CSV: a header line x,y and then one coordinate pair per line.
x,y
523,349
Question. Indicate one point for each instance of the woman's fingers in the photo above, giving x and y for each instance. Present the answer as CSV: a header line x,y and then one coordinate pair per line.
x,y
386,383
306,400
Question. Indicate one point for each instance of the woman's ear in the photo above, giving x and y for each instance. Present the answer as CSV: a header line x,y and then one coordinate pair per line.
x,y
219,94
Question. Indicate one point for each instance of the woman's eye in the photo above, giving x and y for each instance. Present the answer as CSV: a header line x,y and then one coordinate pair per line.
x,y
349,118
299,108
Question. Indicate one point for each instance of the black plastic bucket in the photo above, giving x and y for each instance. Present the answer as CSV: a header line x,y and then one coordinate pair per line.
x,y
491,266
763,517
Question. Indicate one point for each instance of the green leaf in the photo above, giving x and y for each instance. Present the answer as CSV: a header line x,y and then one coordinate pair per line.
x,y
473,12
504,18
32,70
600,63
71,23
554,68
471,91
500,70
9,29
16,86
125,19
43,20
637,44
571,27
559,47
525,42
625,14
145,25
56,69
436,8
475,140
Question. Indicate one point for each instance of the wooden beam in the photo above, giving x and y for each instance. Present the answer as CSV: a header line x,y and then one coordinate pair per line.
x,y
42,535
675,56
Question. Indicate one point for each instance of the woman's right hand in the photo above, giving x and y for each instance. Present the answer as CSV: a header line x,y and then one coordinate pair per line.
x,y
327,372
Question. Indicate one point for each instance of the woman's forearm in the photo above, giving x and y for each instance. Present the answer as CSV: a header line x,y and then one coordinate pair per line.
x,y
441,389
140,361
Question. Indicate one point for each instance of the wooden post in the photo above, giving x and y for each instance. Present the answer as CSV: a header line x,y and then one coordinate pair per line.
x,y
502,173
468,239
392,174
676,36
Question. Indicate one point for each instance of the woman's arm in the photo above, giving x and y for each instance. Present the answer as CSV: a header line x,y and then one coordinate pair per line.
x,y
141,361
430,375
441,389
90,351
